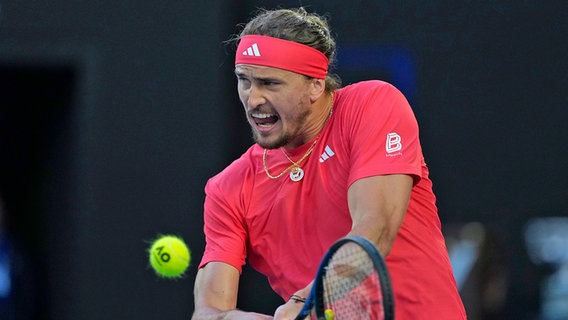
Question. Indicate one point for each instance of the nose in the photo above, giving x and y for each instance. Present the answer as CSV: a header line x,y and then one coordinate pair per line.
x,y
255,97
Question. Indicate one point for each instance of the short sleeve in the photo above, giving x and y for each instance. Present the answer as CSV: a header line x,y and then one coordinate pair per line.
x,y
384,134
224,227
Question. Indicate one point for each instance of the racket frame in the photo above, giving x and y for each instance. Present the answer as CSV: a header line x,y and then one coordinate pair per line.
x,y
315,298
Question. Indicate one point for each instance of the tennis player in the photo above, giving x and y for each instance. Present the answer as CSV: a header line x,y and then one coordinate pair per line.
x,y
327,162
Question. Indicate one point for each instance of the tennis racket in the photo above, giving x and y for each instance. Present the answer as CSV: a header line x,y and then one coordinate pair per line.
x,y
352,282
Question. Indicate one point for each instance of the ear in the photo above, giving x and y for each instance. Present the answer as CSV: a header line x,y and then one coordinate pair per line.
x,y
317,89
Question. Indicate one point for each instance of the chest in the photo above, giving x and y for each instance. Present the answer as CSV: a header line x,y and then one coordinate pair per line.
x,y
281,207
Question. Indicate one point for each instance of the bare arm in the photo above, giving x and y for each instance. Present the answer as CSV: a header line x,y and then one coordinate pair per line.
x,y
215,292
292,308
377,205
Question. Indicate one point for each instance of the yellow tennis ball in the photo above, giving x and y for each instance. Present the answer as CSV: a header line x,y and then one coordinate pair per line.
x,y
169,256
329,315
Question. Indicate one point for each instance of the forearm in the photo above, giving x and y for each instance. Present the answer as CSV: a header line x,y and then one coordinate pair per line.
x,y
204,313
215,294
305,292
292,307
381,235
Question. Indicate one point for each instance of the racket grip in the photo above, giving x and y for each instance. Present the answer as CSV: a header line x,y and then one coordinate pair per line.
x,y
303,315
306,310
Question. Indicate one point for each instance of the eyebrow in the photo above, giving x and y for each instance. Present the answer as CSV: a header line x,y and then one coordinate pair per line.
x,y
261,79
239,74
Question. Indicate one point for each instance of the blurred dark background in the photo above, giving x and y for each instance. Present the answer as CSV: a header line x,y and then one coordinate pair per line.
x,y
113,115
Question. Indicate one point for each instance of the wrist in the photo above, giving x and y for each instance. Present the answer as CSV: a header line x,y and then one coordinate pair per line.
x,y
297,298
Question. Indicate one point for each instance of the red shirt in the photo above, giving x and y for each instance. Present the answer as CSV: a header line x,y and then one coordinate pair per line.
x,y
284,227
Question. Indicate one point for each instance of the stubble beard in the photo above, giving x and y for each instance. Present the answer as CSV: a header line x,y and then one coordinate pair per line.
x,y
281,141
285,136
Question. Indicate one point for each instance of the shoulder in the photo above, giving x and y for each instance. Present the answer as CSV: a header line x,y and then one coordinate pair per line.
x,y
236,172
367,87
362,95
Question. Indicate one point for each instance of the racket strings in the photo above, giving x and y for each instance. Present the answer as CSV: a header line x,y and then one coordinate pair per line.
x,y
351,285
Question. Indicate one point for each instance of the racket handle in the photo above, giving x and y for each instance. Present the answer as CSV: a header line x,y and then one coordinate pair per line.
x,y
303,314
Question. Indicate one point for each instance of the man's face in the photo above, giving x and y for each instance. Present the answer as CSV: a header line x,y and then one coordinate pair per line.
x,y
276,102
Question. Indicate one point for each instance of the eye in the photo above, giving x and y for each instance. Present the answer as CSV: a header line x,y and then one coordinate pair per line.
x,y
243,81
269,83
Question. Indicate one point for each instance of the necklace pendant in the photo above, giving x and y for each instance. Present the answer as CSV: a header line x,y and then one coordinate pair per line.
x,y
296,174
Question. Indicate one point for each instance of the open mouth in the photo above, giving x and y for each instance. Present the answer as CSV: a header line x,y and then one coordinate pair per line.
x,y
264,120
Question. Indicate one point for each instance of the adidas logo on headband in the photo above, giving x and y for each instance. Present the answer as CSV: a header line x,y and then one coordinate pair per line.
x,y
252,51
282,54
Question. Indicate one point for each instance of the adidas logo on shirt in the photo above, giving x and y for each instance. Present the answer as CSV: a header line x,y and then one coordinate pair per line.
x,y
328,153
252,51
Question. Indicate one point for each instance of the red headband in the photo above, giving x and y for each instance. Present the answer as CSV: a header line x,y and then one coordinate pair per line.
x,y
282,54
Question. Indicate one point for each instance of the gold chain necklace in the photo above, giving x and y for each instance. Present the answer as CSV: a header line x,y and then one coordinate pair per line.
x,y
296,173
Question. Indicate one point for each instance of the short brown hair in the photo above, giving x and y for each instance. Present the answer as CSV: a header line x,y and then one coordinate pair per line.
x,y
299,26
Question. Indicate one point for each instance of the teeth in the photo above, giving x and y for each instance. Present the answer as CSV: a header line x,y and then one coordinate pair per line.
x,y
262,115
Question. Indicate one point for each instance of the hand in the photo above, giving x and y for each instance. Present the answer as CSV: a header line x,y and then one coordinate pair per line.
x,y
231,314
289,311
